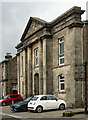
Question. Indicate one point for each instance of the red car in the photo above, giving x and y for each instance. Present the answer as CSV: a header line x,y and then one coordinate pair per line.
x,y
8,99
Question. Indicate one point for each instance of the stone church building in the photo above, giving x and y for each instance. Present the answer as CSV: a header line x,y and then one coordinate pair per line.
x,y
48,55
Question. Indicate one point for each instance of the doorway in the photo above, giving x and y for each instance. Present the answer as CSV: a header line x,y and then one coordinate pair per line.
x,y
36,84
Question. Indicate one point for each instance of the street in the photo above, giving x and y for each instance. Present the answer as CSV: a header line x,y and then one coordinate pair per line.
x,y
6,114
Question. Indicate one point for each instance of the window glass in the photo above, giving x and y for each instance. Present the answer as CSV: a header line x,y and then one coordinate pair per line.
x,y
16,96
61,51
12,96
61,83
43,98
6,97
36,57
51,98
28,99
34,98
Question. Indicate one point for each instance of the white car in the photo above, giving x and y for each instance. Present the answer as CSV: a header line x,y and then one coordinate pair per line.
x,y
45,102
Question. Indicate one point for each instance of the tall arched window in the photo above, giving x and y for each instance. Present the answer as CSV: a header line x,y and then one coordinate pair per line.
x,y
61,83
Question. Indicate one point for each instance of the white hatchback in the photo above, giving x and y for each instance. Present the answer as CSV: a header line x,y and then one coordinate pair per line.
x,y
45,102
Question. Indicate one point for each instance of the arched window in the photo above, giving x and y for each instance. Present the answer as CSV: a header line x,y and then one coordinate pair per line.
x,y
61,83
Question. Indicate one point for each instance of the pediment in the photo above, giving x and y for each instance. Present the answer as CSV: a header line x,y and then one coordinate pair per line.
x,y
34,24
33,28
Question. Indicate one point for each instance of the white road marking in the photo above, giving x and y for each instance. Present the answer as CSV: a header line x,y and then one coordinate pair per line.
x,y
10,115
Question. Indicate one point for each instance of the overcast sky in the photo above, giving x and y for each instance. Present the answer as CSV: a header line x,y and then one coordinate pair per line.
x,y
15,15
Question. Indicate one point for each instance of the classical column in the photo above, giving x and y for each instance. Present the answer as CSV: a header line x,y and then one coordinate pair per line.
x,y
25,71
18,73
44,67
40,67
29,71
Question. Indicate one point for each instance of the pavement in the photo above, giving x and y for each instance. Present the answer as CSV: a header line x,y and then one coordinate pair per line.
x,y
6,114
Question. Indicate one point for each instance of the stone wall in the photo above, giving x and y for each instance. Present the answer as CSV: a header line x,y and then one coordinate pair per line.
x,y
85,50
12,75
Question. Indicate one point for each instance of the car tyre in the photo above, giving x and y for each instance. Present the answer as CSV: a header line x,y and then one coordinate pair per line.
x,y
24,108
3,103
39,109
62,107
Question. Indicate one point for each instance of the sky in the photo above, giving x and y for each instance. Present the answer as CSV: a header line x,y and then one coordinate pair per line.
x,y
14,16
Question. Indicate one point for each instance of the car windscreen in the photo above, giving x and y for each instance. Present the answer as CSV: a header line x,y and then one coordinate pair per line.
x,y
34,98
6,97
28,99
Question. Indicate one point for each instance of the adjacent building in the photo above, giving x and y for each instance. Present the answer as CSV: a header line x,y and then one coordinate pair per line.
x,y
8,75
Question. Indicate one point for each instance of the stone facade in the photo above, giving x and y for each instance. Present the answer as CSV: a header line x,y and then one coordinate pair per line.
x,y
3,78
85,47
43,48
8,76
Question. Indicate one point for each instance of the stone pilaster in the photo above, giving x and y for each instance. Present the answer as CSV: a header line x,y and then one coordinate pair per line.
x,y
25,72
18,73
40,68
29,72
44,66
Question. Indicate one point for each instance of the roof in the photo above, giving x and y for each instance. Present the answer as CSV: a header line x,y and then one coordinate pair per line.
x,y
40,21
68,13
4,61
12,94
74,9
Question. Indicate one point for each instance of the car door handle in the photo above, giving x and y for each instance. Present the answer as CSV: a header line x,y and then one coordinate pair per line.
x,y
47,102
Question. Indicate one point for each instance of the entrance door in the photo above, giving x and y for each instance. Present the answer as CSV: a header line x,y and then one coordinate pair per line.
x,y
36,84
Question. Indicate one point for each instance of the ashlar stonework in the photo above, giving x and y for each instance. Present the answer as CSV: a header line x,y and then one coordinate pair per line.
x,y
47,56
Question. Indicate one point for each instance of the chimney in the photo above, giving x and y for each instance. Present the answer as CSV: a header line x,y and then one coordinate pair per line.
x,y
8,56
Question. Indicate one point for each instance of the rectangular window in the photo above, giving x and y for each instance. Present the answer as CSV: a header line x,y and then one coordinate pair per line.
x,y
61,51
36,57
61,83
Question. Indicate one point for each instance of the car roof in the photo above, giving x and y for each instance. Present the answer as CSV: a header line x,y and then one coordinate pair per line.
x,y
12,94
42,95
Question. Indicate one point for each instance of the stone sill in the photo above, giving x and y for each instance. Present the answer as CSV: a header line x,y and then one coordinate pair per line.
x,y
61,92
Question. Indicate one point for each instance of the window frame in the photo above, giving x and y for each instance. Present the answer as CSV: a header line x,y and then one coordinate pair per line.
x,y
61,55
60,82
36,58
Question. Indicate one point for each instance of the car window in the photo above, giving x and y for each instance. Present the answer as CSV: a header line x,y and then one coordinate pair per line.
x,y
51,98
34,98
6,97
43,98
16,96
12,96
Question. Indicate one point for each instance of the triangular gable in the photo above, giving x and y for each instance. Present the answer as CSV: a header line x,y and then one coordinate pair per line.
x,y
33,25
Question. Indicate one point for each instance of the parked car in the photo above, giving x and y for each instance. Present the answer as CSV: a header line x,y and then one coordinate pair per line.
x,y
20,106
45,102
8,99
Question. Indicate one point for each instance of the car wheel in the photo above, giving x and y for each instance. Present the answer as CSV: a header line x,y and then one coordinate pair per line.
x,y
39,109
62,107
3,103
24,108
